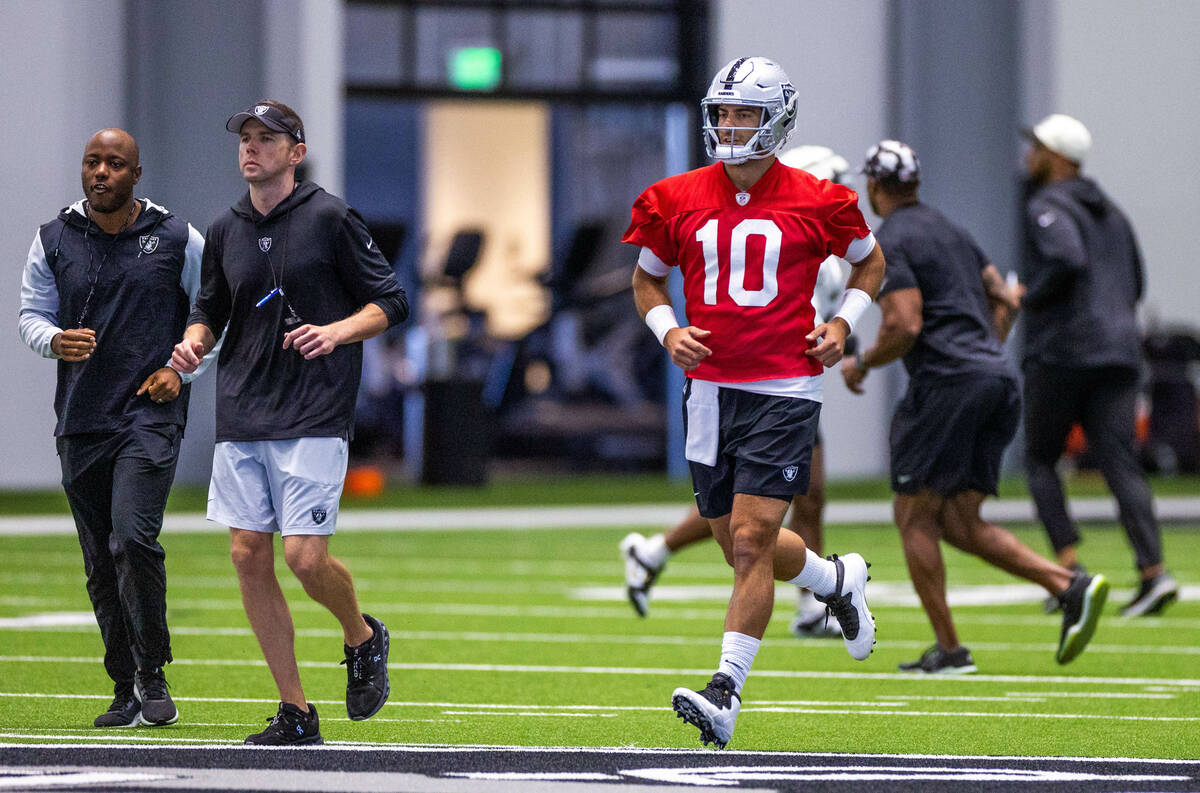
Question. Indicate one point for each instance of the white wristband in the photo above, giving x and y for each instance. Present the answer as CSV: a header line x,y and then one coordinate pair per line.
x,y
661,319
854,303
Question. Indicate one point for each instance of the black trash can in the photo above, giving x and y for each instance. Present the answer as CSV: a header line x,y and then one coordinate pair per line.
x,y
458,434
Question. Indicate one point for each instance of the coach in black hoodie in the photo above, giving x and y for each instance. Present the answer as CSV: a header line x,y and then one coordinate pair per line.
x,y
106,291
1082,350
297,277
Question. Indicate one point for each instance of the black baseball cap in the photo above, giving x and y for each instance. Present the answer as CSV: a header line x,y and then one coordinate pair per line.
x,y
271,117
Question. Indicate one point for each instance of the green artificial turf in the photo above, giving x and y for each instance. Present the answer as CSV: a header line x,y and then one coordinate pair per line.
x,y
522,637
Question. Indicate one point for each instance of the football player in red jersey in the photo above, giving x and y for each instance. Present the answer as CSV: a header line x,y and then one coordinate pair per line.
x,y
749,235
646,557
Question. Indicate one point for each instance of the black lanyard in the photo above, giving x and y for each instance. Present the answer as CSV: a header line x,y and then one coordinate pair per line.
x,y
93,276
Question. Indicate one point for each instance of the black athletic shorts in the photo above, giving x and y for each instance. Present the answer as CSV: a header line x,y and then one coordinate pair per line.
x,y
740,442
949,433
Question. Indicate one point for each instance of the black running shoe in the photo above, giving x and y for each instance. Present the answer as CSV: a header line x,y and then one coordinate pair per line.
x,y
1082,603
1152,596
1051,605
150,686
290,727
936,661
125,711
714,710
367,686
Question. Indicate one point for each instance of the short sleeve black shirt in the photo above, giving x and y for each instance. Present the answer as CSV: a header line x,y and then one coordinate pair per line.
x,y
925,251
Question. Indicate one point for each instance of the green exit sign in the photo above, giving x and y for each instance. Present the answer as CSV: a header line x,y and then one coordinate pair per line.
x,y
475,68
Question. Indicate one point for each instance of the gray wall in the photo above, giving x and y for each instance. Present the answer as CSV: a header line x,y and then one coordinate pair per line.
x,y
1130,72
49,61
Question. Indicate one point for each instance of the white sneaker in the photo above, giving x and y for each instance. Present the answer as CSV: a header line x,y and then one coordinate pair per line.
x,y
813,620
639,576
849,604
714,710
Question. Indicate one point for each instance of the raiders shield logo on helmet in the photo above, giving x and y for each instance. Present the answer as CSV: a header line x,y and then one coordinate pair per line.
x,y
148,243
264,244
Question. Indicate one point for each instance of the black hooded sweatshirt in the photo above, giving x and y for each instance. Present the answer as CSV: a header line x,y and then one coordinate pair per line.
x,y
319,251
1084,276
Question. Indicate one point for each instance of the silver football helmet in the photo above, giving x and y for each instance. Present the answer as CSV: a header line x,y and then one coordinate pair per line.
x,y
757,82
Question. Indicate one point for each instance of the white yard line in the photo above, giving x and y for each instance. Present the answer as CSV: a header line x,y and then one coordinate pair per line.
x,y
606,515
45,624
798,674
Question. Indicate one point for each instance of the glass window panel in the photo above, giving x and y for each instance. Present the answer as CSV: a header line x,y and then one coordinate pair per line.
x,y
545,49
641,49
373,38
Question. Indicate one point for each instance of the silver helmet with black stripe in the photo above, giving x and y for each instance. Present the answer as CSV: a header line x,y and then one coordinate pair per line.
x,y
755,82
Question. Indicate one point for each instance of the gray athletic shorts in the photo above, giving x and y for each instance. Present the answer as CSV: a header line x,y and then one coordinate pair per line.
x,y
291,486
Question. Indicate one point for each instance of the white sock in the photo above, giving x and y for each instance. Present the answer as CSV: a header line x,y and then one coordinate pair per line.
x,y
655,551
737,656
819,575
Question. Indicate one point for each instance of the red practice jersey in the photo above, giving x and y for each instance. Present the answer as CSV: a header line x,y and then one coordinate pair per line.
x,y
748,270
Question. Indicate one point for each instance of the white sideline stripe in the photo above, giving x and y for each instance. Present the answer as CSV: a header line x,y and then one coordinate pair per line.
x,y
623,670
602,515
447,748
618,639
625,614
475,705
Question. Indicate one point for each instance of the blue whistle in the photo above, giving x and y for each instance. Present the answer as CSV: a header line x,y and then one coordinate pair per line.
x,y
268,296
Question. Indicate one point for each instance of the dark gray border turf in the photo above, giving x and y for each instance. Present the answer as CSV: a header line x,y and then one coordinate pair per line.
x,y
507,770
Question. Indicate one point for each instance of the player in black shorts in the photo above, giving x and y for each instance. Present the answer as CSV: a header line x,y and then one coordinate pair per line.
x,y
946,311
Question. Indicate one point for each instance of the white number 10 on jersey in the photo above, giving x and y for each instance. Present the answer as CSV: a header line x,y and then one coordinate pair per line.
x,y
751,227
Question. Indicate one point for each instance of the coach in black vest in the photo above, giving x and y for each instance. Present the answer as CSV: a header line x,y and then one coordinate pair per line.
x,y
106,291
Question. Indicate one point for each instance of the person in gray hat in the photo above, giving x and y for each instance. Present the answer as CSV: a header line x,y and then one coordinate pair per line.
x,y
1081,350
946,311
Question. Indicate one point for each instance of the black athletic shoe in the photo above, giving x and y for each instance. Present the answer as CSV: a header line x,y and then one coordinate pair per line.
x,y
714,710
367,686
125,711
157,707
1051,605
1152,596
1082,603
290,727
936,661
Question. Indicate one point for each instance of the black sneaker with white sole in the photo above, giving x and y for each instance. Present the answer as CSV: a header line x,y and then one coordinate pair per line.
x,y
158,709
125,711
714,709
1152,596
290,726
367,685
1082,603
936,661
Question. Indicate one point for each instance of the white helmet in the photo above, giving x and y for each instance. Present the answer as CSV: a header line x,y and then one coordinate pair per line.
x,y
757,82
821,161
